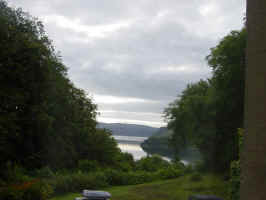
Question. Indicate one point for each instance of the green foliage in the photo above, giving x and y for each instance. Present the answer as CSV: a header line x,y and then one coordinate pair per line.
x,y
88,165
208,113
195,177
169,173
75,182
31,190
159,143
45,120
78,180
115,177
236,172
235,180
13,174
125,162
180,188
199,166
227,61
189,169
44,172
151,163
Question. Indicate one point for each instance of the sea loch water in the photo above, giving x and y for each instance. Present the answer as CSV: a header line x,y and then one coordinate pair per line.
x,y
131,145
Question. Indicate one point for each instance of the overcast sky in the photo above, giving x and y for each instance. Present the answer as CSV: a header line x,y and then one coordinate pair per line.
x,y
133,57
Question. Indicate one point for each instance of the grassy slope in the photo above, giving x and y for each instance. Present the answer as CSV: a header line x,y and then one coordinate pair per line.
x,y
176,189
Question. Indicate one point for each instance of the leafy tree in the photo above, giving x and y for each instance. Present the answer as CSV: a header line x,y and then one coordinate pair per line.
x,y
227,61
208,113
45,120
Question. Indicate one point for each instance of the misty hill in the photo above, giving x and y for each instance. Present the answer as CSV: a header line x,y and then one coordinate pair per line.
x,y
129,129
163,132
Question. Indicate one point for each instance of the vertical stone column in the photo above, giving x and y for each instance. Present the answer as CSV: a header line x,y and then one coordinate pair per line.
x,y
253,158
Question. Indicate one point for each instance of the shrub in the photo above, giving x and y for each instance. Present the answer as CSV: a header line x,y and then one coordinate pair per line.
x,y
31,190
236,172
235,180
199,166
169,173
44,172
115,177
151,163
188,169
14,173
195,177
88,165
40,190
125,162
178,164
78,181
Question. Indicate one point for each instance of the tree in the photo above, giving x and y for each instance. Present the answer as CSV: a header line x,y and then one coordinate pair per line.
x,y
45,120
191,117
208,113
227,61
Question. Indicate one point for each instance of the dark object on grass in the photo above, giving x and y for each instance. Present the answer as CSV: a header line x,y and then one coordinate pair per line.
x,y
94,195
204,197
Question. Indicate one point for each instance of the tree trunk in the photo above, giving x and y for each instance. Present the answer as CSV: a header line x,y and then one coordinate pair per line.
x,y
253,158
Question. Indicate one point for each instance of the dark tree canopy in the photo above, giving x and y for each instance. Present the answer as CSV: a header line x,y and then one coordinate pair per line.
x,y
208,113
45,120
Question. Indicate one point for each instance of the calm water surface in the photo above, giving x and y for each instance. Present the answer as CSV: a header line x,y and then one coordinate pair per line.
x,y
131,145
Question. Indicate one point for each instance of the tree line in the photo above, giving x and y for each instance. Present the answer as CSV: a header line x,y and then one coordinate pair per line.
x,y
208,113
45,119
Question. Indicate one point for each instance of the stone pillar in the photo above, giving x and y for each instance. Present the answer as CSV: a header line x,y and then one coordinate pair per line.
x,y
253,158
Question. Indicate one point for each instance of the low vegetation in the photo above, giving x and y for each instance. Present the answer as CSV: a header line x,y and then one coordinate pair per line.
x,y
179,188
45,182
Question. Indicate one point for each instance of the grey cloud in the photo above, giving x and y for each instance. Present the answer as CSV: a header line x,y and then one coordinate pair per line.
x,y
156,108
133,61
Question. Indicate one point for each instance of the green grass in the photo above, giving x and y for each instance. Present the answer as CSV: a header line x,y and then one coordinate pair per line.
x,y
175,189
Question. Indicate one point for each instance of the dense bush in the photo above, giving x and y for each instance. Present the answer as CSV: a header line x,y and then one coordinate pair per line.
x,y
44,172
151,163
236,172
88,165
195,177
235,180
189,169
169,173
12,173
31,190
199,166
77,181
115,177
125,162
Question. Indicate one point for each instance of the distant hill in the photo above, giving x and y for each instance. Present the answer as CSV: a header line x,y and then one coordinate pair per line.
x,y
163,132
129,129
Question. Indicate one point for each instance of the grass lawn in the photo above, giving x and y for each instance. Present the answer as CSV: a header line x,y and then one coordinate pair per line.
x,y
175,189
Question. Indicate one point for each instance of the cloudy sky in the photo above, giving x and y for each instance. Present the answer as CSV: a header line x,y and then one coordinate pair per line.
x,y
133,57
